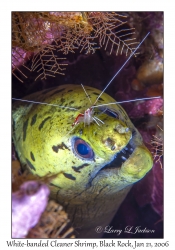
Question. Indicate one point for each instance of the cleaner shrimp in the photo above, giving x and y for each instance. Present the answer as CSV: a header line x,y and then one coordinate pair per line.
x,y
87,117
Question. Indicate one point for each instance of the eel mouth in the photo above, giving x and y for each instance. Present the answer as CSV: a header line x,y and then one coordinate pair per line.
x,y
123,155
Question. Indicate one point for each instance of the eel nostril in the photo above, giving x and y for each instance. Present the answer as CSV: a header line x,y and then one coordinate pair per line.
x,y
121,129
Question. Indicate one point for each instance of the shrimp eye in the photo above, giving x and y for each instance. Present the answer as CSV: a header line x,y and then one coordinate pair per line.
x,y
82,149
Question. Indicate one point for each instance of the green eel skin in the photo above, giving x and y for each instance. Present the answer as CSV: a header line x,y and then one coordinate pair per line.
x,y
96,165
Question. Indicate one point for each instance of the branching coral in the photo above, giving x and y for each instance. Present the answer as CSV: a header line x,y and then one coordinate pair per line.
x,y
46,37
54,223
157,145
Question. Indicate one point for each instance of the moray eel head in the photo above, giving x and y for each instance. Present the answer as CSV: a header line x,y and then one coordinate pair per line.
x,y
96,164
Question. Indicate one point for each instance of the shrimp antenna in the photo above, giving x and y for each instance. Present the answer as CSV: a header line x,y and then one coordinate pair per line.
x,y
134,100
86,93
122,67
45,103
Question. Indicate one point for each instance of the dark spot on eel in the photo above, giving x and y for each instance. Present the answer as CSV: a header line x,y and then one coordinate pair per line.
x,y
71,102
33,120
32,156
76,169
69,176
101,99
57,91
55,149
30,164
42,123
51,184
59,146
79,107
25,129
62,100
70,90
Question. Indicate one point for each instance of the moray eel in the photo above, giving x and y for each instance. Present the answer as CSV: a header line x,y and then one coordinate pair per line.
x,y
96,164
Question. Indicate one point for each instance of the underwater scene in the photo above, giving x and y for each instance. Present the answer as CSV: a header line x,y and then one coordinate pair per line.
x,y
87,125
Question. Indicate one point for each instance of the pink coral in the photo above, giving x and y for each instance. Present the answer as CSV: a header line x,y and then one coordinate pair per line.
x,y
157,194
150,107
19,56
27,206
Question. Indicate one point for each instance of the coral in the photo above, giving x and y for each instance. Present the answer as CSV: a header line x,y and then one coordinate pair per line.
x,y
151,72
27,206
46,37
155,184
152,22
29,200
150,107
157,192
157,146
54,223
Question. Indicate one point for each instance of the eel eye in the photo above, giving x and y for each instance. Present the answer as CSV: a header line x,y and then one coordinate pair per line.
x,y
82,149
